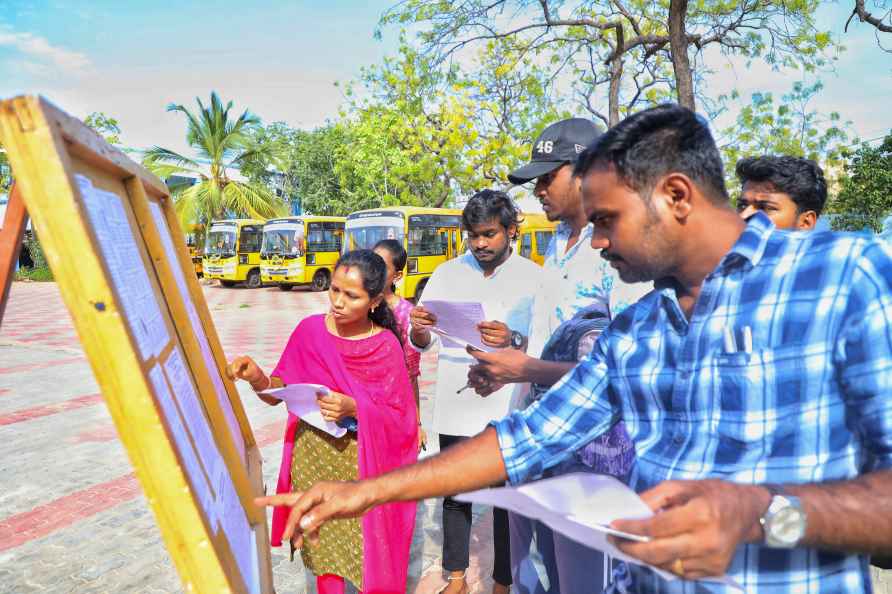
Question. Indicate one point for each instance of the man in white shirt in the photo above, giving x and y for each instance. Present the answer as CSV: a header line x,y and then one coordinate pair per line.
x,y
503,282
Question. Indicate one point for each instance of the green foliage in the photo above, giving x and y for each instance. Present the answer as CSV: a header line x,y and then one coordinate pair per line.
x,y
43,274
35,250
307,160
616,56
425,135
222,143
39,270
5,171
106,126
865,197
788,127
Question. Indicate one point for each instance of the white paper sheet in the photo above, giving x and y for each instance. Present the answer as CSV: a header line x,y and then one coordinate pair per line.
x,y
206,467
301,402
198,329
198,477
457,322
578,505
117,242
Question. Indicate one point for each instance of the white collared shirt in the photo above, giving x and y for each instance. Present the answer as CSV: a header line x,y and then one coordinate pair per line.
x,y
506,296
574,279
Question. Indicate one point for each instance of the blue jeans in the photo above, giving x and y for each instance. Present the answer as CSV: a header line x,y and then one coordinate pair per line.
x,y
545,562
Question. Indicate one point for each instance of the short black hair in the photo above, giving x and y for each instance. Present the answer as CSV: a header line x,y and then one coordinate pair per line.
x,y
801,179
396,250
657,141
487,205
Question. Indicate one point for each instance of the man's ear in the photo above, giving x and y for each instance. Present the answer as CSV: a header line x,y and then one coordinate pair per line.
x,y
677,192
806,221
512,232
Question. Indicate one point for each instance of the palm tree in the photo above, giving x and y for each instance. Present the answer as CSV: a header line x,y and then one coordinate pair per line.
x,y
221,144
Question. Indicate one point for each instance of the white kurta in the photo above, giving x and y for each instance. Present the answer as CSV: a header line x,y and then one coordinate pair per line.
x,y
507,296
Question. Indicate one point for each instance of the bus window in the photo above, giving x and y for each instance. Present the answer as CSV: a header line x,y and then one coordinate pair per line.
x,y
323,237
526,245
426,241
250,239
359,238
220,241
543,238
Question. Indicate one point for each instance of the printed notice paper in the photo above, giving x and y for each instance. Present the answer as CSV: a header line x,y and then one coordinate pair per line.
x,y
128,272
301,402
195,322
580,506
457,323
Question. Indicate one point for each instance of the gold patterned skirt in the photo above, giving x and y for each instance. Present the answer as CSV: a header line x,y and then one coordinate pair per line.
x,y
319,456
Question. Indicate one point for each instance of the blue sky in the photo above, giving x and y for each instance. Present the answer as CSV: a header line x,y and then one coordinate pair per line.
x,y
281,59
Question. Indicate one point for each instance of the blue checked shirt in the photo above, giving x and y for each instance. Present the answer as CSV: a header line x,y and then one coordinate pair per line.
x,y
810,403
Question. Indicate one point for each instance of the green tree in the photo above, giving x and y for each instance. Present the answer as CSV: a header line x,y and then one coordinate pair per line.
x,y
106,126
5,171
221,143
633,51
865,196
307,160
423,135
787,127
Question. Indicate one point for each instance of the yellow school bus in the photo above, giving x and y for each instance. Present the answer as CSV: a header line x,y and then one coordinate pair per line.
x,y
431,236
232,252
301,251
534,235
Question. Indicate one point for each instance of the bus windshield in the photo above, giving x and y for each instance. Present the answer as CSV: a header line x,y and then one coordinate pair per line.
x,y
282,240
366,237
220,242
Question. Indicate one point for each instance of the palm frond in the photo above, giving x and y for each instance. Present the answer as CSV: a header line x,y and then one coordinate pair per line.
x,y
255,200
158,154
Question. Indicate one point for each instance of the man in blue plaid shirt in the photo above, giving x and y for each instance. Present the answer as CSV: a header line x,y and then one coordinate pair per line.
x,y
754,381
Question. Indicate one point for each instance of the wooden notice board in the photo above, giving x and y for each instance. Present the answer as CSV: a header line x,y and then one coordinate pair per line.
x,y
116,249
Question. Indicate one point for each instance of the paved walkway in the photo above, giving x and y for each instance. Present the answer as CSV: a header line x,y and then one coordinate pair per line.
x,y
72,514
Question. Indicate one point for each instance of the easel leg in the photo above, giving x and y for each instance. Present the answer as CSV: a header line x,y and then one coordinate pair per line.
x,y
11,236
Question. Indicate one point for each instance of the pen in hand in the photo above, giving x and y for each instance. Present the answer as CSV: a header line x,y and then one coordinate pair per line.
x,y
466,386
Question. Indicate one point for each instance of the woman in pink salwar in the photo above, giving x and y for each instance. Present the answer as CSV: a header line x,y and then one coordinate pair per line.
x,y
354,351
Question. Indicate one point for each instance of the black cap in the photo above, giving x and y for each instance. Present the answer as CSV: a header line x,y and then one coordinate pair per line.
x,y
559,143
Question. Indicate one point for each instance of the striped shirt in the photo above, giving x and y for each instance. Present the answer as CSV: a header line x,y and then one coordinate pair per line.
x,y
808,402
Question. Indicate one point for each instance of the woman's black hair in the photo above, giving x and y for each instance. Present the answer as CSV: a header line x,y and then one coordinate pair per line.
x,y
374,274
396,250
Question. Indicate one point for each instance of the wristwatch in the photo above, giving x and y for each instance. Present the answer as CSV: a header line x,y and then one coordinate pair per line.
x,y
784,522
516,340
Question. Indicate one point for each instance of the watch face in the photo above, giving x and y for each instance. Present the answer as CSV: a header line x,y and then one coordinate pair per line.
x,y
788,525
516,340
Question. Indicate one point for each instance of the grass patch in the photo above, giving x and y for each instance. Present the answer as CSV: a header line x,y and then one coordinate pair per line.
x,y
42,274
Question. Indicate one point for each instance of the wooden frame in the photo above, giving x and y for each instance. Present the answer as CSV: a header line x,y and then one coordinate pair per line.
x,y
114,244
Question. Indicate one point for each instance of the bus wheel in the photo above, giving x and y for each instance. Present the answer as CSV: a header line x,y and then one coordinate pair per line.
x,y
227,283
284,287
320,280
253,280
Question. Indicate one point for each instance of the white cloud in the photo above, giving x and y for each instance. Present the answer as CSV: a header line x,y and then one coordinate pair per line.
x,y
39,51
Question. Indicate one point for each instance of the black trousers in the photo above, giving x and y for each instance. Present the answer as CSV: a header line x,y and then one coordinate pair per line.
x,y
457,532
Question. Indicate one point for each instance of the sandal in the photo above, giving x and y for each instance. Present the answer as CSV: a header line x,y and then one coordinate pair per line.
x,y
452,578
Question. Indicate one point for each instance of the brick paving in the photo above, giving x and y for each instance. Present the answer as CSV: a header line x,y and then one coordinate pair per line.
x,y
72,514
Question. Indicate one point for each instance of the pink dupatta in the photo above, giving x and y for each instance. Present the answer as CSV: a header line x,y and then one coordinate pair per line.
x,y
387,437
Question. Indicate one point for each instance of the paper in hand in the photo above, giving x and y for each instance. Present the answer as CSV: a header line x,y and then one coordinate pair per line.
x,y
301,402
580,506
457,323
